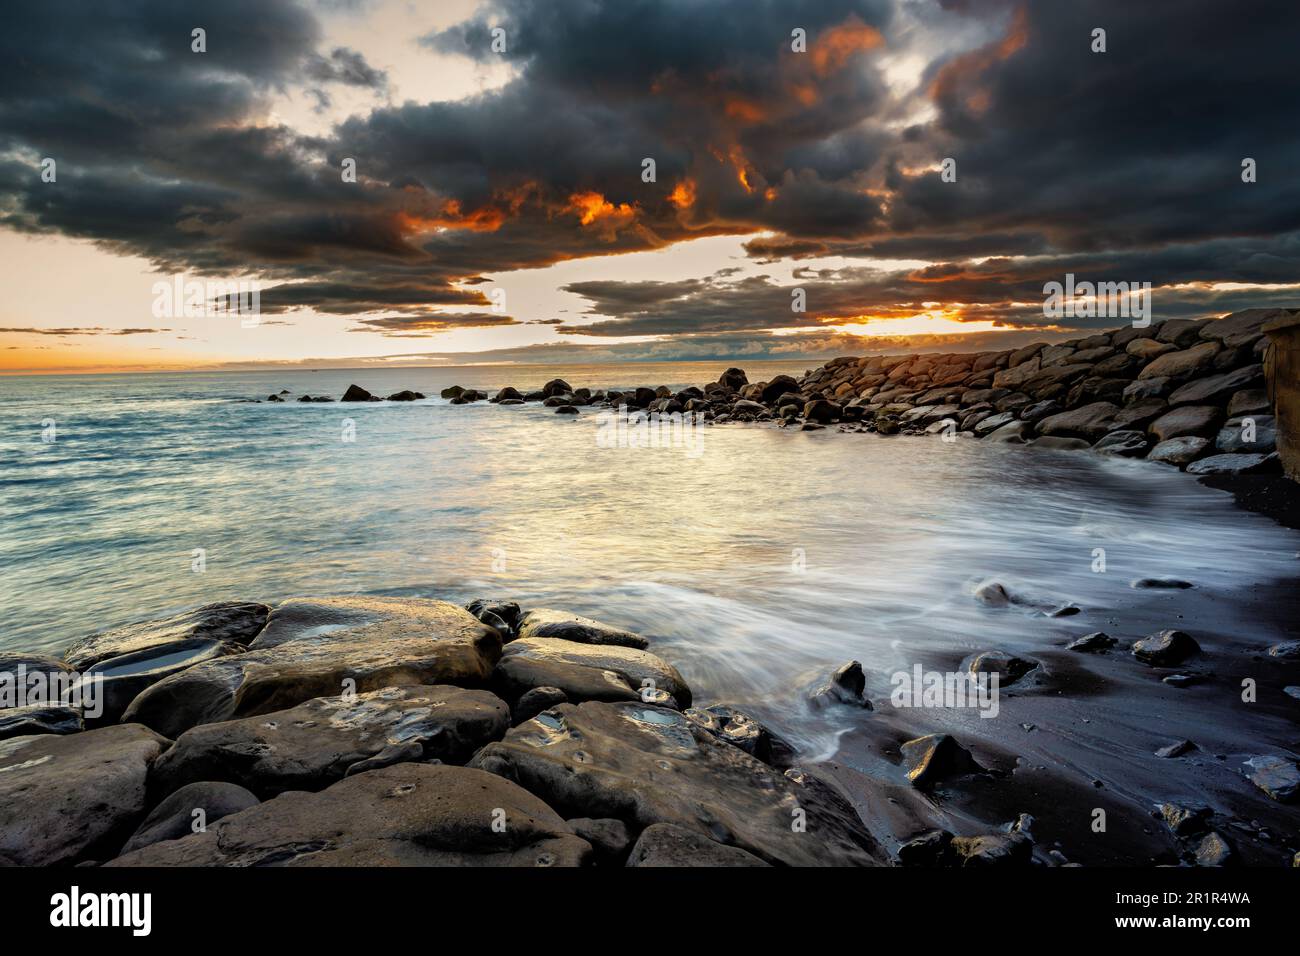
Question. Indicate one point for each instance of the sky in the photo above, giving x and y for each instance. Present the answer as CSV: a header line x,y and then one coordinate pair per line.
x,y
501,208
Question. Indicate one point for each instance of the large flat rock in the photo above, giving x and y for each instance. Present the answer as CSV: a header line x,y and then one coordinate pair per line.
x,y
227,621
117,681
546,622
64,799
311,648
404,815
313,745
590,671
646,765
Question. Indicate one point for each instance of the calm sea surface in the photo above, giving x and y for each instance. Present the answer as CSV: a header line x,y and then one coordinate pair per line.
x,y
754,562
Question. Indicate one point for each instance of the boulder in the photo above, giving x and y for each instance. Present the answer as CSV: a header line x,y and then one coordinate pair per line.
x,y
565,410
1179,451
556,386
1248,401
40,719
313,745
1012,433
1217,389
1185,821
1093,643
1275,776
1126,444
123,678
311,646
404,815
1251,434
1236,465
533,702
608,837
1213,850
666,844
932,848
1139,414
1182,364
1007,666
822,411
1240,328
1145,388
356,393
239,622
845,686
1176,749
545,622
452,391
733,379
406,395
993,849
1202,420
989,425
777,387
176,816
936,757
1062,443
740,729
1147,349
1165,648
586,671
646,765
65,799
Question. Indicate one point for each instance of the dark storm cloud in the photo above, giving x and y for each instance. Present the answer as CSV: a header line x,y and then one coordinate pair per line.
x,y
1122,166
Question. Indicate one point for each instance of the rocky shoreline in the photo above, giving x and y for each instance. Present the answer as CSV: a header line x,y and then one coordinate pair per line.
x,y
394,731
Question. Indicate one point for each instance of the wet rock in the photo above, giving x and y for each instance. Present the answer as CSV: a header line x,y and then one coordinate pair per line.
x,y
1182,364
1183,680
1185,821
405,815
608,837
1014,433
1200,420
936,757
1176,749
566,410
1217,389
1093,643
733,379
777,387
1126,444
1213,850
993,594
646,765
1235,465
123,678
1062,443
741,730
64,799
356,393
1160,584
1007,666
175,817
1285,651
821,411
586,671
313,745
1146,388
933,848
239,622
1140,414
17,669
993,849
992,423
507,612
405,395
311,646
1165,648
535,701
507,394
1248,435
1248,401
1147,349
665,844
452,391
845,686
1090,422
1276,776
556,386
1179,451
545,622
40,719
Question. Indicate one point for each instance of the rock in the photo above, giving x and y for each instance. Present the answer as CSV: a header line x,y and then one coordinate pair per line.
x,y
586,671
228,621
845,686
16,669
1183,364
1199,420
1165,648
1248,435
452,391
1216,389
64,799
405,815
175,817
507,394
545,622
936,757
733,379
1093,643
1008,667
1285,651
608,837
1062,443
741,730
535,701
311,646
646,765
777,387
1140,414
507,612
1090,422
1039,410
356,393
1179,451
1013,433
1176,749
1185,821
406,395
994,849
1276,776
1183,680
1126,444
666,844
1235,465
1160,584
988,426
40,719
566,410
1240,327
123,678
932,848
1147,349
993,594
821,411
556,386
313,745
1249,400
1146,389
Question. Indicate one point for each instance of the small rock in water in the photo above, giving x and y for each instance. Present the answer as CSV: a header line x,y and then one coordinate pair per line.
x,y
935,757
1093,643
1008,667
1167,584
566,410
356,393
1176,749
1276,776
845,686
1065,610
1165,648
1213,850
992,594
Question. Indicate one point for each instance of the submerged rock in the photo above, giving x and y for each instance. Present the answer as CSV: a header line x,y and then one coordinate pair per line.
x,y
313,745
936,757
310,647
545,622
845,686
1096,642
64,799
405,815
646,765
234,621
1160,584
666,844
1165,647
175,817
